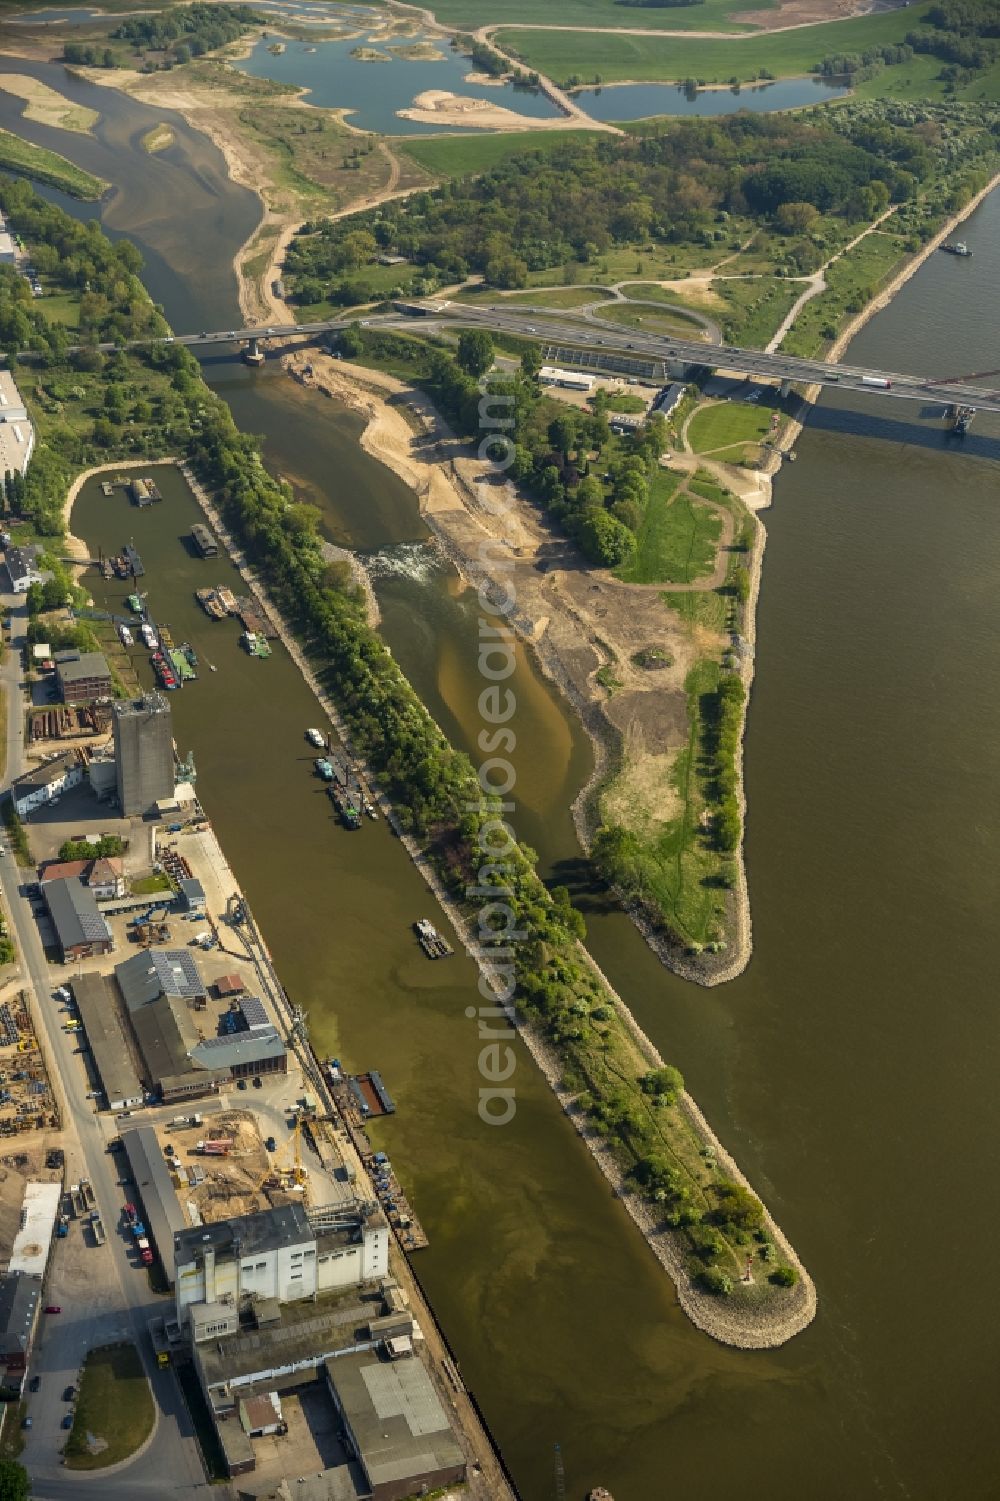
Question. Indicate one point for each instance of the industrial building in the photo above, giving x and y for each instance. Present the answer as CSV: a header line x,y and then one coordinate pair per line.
x,y
81,931
144,753
162,1212
279,1254
22,562
83,676
192,895
20,1295
17,433
95,997
572,380
47,783
163,992
395,1425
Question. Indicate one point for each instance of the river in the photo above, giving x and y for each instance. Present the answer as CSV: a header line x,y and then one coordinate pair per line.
x,y
850,1069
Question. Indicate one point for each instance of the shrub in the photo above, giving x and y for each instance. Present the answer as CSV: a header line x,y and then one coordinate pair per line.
x,y
784,1276
712,1280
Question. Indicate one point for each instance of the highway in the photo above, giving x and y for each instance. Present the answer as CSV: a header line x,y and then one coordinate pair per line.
x,y
597,337
102,1294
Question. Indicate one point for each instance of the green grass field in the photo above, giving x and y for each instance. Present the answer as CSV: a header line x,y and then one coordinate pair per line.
x,y
47,166
726,423
61,307
647,59
456,156
677,539
714,15
115,1405
851,282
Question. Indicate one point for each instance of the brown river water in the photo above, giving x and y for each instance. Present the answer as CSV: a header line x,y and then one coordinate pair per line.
x,y
850,1070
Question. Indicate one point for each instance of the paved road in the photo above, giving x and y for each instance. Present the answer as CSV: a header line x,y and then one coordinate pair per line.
x,y
102,1294
543,325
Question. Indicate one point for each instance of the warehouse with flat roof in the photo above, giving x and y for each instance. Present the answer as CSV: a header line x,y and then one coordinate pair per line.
x,y
162,1212
95,997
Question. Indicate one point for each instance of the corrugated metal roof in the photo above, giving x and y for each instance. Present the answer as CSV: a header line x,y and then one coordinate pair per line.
x,y
164,1217
74,913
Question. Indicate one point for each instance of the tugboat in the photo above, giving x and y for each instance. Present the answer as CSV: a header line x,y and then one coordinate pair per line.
x,y
958,247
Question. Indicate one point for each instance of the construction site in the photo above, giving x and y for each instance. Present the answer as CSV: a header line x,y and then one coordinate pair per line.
x,y
26,1101
221,1167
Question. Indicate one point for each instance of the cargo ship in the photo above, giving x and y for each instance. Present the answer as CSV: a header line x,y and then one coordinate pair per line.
x,y
227,599
209,603
255,645
957,247
182,667
133,562
149,636
343,800
190,654
165,674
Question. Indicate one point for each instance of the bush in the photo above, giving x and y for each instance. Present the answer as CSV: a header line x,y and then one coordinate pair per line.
x,y
784,1276
712,1280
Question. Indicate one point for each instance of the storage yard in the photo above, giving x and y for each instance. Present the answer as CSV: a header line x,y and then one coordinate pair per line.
x,y
26,1102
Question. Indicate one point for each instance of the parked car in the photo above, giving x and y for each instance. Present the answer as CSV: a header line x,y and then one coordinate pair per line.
x,y
257,1081
34,1383
241,1084
25,1422
69,1394
271,1144
67,1421
53,1308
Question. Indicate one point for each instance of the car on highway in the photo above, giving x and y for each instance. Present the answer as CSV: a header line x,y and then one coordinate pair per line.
x,y
53,1308
170,340
34,1383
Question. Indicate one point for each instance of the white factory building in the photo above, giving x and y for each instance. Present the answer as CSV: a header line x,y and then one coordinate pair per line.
x,y
278,1254
17,435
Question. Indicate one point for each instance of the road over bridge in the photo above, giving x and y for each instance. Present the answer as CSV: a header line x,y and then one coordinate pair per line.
x,y
594,336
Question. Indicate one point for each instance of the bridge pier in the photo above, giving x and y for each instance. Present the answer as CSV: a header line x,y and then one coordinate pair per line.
x,y
253,354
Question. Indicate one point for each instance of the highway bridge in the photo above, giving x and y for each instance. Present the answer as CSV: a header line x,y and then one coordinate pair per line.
x,y
596,337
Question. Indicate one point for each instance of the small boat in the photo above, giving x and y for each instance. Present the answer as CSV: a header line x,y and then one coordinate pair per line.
x,y
255,645
135,604
433,945
209,603
125,635
227,599
323,768
370,809
166,640
958,247
148,635
316,737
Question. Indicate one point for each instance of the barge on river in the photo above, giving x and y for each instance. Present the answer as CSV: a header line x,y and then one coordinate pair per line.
x,y
208,599
431,941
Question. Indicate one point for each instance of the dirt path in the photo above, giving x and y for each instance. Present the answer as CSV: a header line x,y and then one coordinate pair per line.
x,y
817,282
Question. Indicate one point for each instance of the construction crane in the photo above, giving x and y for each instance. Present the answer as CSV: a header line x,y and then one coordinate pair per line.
x,y
297,1172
